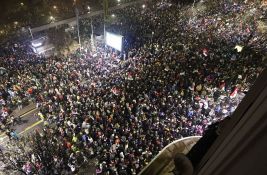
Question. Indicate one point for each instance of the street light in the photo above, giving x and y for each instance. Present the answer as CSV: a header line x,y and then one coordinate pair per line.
x,y
113,16
52,19
22,4
92,29
119,2
143,6
77,23
55,7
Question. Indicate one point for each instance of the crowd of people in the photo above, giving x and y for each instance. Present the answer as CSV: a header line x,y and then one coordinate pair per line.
x,y
180,73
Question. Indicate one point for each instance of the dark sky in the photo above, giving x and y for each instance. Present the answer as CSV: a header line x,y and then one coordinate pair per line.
x,y
4,5
7,3
10,9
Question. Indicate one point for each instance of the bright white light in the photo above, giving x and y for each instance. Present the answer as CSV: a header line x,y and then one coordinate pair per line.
x,y
22,4
89,8
143,6
55,7
239,48
119,0
113,15
16,22
114,41
36,44
52,19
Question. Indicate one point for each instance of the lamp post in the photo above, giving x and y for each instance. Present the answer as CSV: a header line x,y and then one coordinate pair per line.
x,y
77,22
92,30
105,4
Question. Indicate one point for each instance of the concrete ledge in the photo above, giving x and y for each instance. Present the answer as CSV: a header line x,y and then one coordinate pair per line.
x,y
163,163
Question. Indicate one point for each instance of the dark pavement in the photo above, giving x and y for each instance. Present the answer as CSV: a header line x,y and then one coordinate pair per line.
x,y
28,122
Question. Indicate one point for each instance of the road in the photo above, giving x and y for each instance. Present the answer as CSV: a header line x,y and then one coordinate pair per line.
x,y
28,124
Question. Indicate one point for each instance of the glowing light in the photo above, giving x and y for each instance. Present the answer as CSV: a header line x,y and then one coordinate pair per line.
x,y
52,19
239,48
36,44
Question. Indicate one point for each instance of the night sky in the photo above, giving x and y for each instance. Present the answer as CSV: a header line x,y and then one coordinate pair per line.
x,y
5,7
11,10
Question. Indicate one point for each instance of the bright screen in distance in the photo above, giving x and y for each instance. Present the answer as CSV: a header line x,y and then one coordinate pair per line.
x,y
114,41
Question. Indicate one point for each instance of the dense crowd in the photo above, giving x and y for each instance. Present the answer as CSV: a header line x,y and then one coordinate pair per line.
x,y
182,73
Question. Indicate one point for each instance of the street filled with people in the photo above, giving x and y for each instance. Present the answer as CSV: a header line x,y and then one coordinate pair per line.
x,y
180,72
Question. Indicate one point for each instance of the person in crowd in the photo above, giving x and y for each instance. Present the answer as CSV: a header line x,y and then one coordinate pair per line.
x,y
182,73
